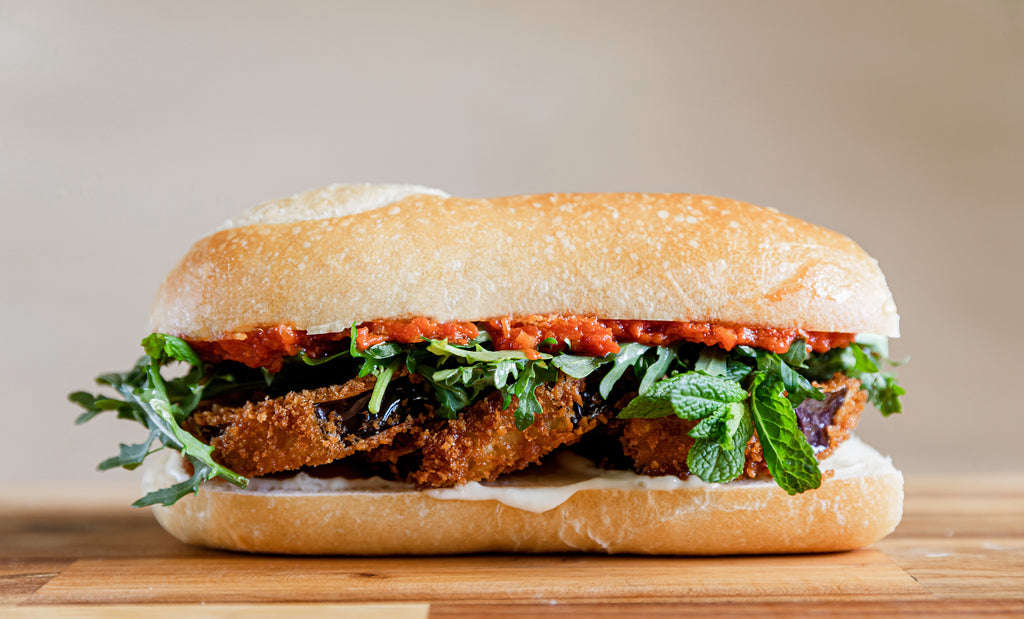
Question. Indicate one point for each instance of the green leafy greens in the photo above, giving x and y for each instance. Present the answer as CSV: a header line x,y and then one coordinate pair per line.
x,y
728,395
732,393
861,361
786,452
161,406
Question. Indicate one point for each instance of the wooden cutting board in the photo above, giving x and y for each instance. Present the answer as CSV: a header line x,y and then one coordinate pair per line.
x,y
959,551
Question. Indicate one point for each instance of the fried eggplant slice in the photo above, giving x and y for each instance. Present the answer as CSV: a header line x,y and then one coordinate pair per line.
x,y
483,442
660,446
310,427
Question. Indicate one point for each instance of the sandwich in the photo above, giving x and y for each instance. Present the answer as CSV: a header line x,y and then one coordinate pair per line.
x,y
386,369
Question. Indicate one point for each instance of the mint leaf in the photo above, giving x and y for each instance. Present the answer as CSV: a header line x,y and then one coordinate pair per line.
x,y
786,452
690,396
798,388
708,461
738,427
720,457
725,425
644,407
710,426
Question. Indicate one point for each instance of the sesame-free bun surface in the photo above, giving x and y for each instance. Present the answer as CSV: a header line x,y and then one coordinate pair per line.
x,y
859,505
322,260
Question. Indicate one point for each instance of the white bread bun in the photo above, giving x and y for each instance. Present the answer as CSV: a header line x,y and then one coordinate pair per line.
x,y
325,259
859,504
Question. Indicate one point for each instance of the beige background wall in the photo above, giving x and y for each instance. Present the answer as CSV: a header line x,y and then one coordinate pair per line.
x,y
129,129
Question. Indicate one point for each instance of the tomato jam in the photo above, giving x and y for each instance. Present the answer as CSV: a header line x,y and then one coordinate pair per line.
x,y
583,335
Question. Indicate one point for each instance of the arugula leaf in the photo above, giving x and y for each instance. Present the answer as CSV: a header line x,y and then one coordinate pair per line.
x,y
451,399
798,388
483,368
578,366
654,370
160,406
623,360
789,457
502,371
130,456
532,376
860,361
691,381
163,348
796,354
863,363
883,392
383,375
383,351
320,361
169,496
96,404
736,370
712,361
442,348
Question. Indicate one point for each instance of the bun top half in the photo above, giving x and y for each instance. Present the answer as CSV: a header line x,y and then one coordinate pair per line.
x,y
344,254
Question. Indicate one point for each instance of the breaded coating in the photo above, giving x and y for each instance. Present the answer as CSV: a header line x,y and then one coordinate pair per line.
x,y
305,428
660,446
484,443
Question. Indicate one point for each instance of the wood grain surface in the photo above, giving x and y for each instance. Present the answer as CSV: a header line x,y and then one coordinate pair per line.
x,y
72,552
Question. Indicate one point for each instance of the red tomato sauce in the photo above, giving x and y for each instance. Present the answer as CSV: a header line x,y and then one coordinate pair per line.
x,y
583,335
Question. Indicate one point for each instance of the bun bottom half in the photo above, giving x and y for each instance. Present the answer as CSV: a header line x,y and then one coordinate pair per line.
x,y
858,504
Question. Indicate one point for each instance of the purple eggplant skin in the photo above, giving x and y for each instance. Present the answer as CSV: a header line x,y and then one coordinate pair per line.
x,y
814,416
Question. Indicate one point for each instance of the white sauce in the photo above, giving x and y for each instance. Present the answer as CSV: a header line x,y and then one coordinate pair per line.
x,y
554,483
542,488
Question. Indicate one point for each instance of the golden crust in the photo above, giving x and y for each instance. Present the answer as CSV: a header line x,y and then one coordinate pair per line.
x,y
279,434
858,505
675,257
483,442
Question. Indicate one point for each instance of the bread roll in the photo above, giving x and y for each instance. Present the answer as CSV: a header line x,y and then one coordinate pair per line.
x,y
325,259
861,503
